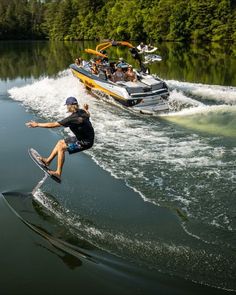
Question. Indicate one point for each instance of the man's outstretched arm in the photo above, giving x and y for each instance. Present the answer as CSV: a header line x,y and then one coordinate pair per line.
x,y
33,124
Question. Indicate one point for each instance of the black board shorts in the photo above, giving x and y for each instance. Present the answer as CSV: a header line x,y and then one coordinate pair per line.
x,y
74,145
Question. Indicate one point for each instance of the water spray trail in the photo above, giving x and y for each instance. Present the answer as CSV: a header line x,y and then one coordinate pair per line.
x,y
39,184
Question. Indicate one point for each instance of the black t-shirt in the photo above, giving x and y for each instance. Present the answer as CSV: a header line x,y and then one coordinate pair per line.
x,y
80,125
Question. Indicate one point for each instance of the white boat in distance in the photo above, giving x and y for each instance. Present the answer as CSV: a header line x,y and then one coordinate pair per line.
x,y
151,58
148,94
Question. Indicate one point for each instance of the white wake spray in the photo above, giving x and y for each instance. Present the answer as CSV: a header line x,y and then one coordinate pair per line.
x,y
224,94
149,154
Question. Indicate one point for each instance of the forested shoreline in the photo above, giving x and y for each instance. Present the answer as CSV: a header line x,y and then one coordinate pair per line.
x,y
167,20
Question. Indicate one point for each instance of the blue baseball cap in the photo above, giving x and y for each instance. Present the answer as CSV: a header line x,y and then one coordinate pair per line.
x,y
71,100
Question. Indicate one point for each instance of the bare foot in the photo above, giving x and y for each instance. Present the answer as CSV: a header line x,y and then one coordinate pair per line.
x,y
56,176
54,173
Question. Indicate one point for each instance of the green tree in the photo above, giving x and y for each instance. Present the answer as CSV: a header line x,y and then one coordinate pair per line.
x,y
178,22
157,20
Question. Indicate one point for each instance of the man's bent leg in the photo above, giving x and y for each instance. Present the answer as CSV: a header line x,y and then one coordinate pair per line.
x,y
53,154
59,150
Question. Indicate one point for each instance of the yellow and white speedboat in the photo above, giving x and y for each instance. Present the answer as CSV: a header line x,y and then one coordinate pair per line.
x,y
148,94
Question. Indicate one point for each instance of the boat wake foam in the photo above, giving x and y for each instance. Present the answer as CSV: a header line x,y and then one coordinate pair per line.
x,y
214,93
170,153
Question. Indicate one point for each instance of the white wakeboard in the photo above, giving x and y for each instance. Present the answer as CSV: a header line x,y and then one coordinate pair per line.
x,y
35,156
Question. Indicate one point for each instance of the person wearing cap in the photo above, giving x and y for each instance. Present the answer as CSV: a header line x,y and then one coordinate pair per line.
x,y
80,125
121,63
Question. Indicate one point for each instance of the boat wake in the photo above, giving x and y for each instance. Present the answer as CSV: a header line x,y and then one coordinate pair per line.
x,y
153,254
183,160
206,93
155,140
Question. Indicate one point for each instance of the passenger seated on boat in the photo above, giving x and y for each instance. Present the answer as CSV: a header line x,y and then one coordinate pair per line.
x,y
77,62
112,67
119,75
130,75
94,69
142,47
107,72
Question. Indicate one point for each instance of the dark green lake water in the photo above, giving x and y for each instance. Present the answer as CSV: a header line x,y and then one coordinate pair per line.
x,y
151,209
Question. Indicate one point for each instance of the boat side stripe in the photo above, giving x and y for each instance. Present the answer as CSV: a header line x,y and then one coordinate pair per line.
x,y
92,84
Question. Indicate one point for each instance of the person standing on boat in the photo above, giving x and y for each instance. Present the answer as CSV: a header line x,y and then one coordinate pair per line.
x,y
142,47
79,123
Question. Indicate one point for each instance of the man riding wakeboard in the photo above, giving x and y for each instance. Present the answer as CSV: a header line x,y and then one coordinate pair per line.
x,y
79,123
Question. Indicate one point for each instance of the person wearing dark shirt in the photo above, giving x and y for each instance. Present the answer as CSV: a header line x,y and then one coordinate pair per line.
x,y
79,123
